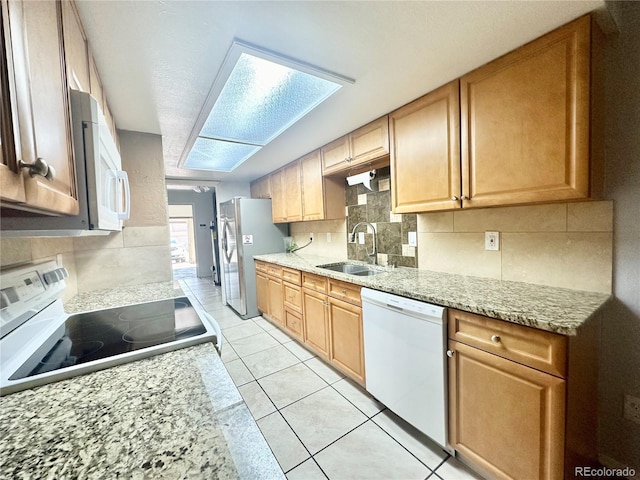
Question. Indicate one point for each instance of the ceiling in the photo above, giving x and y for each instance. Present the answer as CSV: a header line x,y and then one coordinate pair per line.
x,y
159,59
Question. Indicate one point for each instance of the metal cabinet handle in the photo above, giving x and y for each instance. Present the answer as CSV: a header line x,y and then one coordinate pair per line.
x,y
450,353
326,304
495,338
464,197
343,291
39,167
454,198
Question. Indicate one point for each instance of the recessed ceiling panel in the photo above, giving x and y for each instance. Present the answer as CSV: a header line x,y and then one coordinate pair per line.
x,y
218,155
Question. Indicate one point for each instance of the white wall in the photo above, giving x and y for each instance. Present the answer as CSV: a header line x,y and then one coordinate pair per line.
x,y
620,357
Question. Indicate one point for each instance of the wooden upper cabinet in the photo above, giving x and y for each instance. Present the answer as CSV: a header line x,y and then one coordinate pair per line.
x,y
425,152
292,192
366,144
260,188
41,104
75,48
525,122
312,187
95,83
278,206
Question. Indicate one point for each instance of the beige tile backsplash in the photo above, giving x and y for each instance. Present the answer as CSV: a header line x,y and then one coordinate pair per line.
x,y
337,248
564,245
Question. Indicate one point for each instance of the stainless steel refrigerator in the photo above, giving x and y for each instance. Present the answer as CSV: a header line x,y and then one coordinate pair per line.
x,y
246,229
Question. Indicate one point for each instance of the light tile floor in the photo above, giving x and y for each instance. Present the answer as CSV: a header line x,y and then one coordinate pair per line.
x,y
319,424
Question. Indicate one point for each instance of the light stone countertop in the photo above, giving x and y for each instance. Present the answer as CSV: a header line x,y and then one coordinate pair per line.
x,y
174,415
559,310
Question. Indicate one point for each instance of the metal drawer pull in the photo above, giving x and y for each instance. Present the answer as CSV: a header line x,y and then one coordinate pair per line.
x,y
450,353
343,291
39,167
495,338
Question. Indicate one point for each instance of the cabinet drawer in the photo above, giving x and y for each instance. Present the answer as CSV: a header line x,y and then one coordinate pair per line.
x,y
314,282
293,322
347,292
292,296
274,270
261,266
291,276
545,351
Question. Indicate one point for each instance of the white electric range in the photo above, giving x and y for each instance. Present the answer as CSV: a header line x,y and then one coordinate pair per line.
x,y
40,343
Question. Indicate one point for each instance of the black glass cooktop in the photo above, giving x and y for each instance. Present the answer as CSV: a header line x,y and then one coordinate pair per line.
x,y
90,336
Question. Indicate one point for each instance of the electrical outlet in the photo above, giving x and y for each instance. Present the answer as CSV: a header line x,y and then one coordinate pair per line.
x,y
413,239
361,238
311,237
492,240
632,408
328,237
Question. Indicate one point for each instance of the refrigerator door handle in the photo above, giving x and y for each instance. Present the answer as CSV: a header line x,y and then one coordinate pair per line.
x,y
228,252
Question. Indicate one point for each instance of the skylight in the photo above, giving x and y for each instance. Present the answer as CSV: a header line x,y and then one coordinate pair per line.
x,y
256,96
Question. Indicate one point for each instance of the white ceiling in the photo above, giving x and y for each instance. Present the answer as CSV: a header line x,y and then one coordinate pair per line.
x,y
158,59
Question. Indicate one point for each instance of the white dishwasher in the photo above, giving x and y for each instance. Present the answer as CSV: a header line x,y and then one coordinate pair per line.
x,y
404,354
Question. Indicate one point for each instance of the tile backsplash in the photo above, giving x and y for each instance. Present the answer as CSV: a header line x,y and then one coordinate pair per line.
x,y
374,206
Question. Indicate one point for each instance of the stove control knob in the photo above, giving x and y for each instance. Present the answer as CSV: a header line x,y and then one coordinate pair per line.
x,y
50,277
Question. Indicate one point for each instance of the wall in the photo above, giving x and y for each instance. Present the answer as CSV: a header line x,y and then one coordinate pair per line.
x,y
620,347
562,245
202,215
334,246
138,254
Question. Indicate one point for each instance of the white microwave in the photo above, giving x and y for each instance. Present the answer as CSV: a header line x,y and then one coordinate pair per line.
x,y
103,187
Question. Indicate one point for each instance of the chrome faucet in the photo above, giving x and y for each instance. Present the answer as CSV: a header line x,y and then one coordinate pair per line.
x,y
352,238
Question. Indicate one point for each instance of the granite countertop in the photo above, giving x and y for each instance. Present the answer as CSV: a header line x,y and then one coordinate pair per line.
x,y
559,310
174,415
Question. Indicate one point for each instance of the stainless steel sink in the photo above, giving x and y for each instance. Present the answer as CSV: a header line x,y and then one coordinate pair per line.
x,y
352,269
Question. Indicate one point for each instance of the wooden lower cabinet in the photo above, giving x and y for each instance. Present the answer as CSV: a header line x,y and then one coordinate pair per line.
x,y
276,308
316,321
262,292
522,401
506,418
345,332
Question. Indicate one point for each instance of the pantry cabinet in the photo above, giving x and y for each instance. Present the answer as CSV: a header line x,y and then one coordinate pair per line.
x,y
519,405
36,99
525,122
366,144
425,152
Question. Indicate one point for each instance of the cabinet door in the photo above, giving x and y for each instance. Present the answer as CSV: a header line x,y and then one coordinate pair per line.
x,y
525,122
425,153
369,142
345,332
316,321
292,192
335,156
43,104
312,191
11,180
505,417
274,288
260,188
262,293
278,206
75,48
